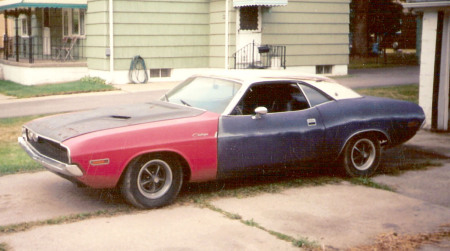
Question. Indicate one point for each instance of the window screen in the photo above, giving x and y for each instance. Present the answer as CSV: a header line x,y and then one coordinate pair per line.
x,y
249,18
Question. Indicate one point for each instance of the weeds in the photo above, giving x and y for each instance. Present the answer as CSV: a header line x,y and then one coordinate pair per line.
x,y
3,247
301,242
370,183
395,241
401,159
65,219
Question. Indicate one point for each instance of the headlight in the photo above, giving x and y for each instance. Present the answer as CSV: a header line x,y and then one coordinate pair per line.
x,y
31,136
24,133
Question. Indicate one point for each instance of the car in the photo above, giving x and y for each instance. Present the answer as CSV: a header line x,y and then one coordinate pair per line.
x,y
220,125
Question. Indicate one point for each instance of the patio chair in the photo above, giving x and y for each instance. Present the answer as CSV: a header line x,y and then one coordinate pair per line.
x,y
60,49
68,49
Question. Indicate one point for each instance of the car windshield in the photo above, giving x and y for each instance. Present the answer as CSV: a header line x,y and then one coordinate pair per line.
x,y
211,94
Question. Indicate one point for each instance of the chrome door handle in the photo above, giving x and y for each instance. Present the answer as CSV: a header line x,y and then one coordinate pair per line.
x,y
311,122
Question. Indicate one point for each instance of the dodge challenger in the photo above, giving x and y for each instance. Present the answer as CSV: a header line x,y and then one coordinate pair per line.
x,y
217,126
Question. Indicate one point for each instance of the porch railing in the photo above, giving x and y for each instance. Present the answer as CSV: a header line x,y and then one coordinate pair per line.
x,y
28,49
255,56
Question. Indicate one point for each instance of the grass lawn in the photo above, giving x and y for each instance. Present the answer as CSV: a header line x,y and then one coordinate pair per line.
x,y
403,92
84,85
12,158
392,59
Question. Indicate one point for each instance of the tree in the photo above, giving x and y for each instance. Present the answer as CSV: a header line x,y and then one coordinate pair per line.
x,y
380,18
384,20
358,26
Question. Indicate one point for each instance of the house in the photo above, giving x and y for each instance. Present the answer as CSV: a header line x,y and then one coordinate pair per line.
x,y
175,38
434,90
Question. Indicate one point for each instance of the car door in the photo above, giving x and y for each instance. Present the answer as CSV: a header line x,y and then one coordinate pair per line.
x,y
291,131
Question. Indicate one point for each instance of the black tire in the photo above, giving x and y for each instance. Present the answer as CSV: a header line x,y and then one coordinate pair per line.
x,y
152,181
361,156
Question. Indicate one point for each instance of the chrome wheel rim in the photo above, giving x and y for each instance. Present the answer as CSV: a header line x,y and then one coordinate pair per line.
x,y
154,179
363,154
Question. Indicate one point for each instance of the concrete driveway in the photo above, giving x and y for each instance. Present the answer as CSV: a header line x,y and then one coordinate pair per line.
x,y
334,216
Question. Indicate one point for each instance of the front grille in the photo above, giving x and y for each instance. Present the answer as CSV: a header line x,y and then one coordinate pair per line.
x,y
50,149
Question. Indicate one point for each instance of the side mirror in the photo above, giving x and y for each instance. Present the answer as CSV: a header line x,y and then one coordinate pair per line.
x,y
259,112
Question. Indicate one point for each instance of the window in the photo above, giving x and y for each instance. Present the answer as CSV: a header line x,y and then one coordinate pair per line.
x,y
65,23
82,22
206,93
276,97
248,18
315,97
160,73
324,69
23,26
74,22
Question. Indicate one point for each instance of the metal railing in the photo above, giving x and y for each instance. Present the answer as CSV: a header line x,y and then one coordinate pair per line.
x,y
33,48
255,56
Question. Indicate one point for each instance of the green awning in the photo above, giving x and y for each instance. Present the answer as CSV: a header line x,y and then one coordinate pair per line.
x,y
12,4
241,3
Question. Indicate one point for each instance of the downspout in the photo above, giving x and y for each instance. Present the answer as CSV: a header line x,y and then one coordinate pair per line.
x,y
16,21
6,37
226,33
30,39
111,42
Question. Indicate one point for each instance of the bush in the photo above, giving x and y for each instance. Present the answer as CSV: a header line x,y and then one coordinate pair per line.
x,y
93,80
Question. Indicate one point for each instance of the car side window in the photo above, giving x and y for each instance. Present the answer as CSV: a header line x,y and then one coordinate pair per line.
x,y
276,97
315,97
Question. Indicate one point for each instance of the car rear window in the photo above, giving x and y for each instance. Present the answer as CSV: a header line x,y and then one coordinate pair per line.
x,y
314,96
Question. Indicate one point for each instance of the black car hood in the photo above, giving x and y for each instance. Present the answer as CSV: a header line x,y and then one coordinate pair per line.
x,y
63,127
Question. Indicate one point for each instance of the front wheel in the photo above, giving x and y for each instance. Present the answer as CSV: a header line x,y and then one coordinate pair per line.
x,y
361,156
152,182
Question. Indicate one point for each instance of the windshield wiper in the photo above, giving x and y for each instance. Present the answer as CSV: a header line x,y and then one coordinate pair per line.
x,y
167,98
185,103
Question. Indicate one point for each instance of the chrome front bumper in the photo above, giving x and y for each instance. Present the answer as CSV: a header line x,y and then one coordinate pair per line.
x,y
51,164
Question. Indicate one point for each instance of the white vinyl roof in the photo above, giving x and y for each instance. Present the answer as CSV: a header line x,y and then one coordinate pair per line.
x,y
11,4
248,77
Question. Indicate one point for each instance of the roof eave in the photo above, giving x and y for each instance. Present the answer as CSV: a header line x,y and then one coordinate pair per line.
x,y
6,5
426,5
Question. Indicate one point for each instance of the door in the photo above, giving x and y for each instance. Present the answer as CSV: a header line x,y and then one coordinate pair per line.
x,y
291,131
249,30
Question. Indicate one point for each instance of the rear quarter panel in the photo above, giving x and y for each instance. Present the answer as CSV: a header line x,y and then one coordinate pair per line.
x,y
192,138
347,117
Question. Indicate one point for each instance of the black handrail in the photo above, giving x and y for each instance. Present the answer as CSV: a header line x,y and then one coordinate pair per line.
x,y
256,56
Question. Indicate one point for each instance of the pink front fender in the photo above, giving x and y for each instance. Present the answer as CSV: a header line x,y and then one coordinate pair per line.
x,y
194,139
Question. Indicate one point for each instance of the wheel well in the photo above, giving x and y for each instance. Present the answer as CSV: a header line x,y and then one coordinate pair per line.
x,y
380,136
170,155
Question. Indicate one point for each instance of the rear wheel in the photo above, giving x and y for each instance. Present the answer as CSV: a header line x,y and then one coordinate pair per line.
x,y
152,182
361,156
